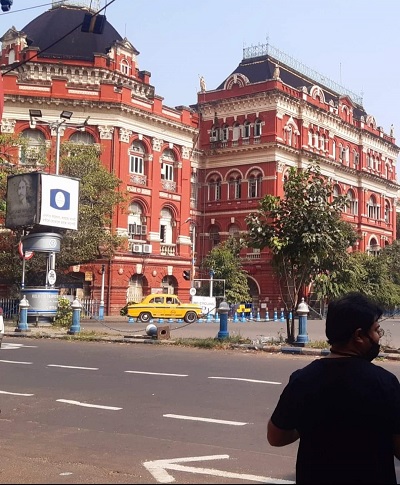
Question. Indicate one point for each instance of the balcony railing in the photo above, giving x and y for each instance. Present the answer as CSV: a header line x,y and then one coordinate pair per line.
x,y
167,249
138,179
168,185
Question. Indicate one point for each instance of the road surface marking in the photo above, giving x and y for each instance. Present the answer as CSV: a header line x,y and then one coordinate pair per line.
x,y
15,362
155,373
247,380
16,393
207,420
10,346
85,405
158,468
72,367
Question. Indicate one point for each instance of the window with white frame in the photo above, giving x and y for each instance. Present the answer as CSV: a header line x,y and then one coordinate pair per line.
x,y
356,159
137,228
387,213
82,138
257,128
136,158
336,191
246,129
214,135
235,186
255,185
194,188
167,166
373,208
236,132
166,220
214,189
352,203
225,133
334,149
35,150
310,138
124,67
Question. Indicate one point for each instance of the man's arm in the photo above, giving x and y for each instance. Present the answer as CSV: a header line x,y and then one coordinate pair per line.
x,y
281,437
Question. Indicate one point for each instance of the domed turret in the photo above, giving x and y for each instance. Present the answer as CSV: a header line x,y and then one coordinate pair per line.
x,y
47,32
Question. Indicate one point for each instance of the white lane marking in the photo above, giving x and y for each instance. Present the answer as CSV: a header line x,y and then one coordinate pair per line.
x,y
155,373
246,380
10,346
158,468
72,367
16,393
207,420
15,362
66,474
85,405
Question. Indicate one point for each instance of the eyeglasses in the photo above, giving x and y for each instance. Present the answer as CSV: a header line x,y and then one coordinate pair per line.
x,y
380,332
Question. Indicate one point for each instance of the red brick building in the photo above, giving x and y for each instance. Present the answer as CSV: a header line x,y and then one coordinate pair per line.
x,y
193,173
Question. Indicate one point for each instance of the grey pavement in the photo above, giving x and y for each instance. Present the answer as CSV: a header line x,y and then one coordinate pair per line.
x,y
264,335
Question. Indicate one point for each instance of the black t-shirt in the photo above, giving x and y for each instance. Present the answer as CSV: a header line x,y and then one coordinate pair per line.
x,y
346,411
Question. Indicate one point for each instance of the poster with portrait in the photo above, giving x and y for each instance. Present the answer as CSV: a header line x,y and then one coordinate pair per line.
x,y
22,200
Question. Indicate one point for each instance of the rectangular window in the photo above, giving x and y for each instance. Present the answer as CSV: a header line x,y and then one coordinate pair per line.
x,y
136,165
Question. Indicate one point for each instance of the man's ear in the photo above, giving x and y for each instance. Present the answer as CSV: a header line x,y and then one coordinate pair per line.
x,y
358,335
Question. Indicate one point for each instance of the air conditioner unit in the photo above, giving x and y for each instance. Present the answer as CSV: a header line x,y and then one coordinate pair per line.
x,y
147,248
137,248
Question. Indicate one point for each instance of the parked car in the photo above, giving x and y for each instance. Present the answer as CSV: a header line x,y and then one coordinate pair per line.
x,y
164,306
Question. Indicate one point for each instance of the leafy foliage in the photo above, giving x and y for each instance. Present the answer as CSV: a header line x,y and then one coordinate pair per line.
x,y
304,232
224,260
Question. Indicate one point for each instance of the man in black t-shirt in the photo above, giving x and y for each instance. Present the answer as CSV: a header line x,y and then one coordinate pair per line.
x,y
344,409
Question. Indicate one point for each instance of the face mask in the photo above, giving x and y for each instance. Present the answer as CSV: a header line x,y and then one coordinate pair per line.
x,y
373,352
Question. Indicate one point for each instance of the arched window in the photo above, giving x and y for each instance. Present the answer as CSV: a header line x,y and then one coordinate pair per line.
x,y
225,133
234,231
373,208
137,228
310,138
352,203
373,249
168,170
82,138
235,186
246,129
387,212
35,150
135,289
255,185
166,220
236,132
257,128
336,191
124,66
136,158
214,188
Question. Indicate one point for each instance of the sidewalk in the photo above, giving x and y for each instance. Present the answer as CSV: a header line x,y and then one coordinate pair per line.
x,y
265,335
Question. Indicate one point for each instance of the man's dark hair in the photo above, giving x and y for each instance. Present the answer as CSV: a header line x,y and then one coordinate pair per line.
x,y
348,313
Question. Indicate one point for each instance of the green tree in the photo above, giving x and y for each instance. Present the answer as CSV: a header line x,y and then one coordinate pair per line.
x,y
224,260
304,232
98,199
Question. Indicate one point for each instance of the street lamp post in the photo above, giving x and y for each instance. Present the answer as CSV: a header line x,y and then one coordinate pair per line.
x,y
101,307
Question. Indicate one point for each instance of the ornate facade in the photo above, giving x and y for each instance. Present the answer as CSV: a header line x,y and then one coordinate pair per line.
x,y
192,174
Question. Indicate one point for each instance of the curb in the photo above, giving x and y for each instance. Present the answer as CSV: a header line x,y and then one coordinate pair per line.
x,y
144,339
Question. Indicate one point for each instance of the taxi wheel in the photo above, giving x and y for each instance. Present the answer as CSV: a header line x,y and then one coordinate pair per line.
x,y
190,317
145,317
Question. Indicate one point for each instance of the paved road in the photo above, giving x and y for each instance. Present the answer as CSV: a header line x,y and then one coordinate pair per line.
x,y
252,329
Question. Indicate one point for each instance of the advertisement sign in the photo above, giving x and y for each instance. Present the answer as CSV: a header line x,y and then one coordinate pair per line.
x,y
59,201
208,303
22,200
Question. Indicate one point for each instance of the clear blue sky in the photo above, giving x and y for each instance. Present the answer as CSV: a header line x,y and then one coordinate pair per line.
x,y
353,42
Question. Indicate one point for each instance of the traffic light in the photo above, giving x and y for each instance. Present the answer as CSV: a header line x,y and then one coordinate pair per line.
x,y
6,5
186,274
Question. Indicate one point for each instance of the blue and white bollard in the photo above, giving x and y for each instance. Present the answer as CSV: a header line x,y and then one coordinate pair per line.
x,y
267,315
76,317
275,314
243,319
302,311
209,317
258,318
282,315
23,316
235,317
223,310
131,320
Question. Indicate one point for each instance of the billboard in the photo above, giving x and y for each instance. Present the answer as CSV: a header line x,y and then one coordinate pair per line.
x,y
35,199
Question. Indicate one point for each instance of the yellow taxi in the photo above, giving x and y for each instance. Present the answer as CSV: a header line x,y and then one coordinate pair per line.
x,y
164,306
